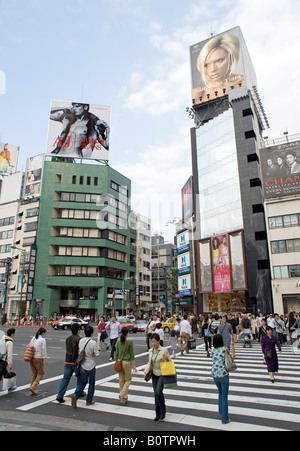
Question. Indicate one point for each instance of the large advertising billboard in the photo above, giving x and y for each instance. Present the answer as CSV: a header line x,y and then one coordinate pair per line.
x,y
220,65
78,130
33,176
8,158
280,167
221,265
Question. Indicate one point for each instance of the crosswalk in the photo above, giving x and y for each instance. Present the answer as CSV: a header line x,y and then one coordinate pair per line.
x,y
254,403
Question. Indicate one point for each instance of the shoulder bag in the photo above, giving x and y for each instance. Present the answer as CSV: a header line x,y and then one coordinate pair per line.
x,y
80,359
148,376
118,364
229,362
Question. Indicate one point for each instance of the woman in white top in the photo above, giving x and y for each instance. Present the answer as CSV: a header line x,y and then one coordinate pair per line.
x,y
37,363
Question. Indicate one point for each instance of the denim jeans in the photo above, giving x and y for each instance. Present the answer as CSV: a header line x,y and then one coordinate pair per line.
x,y
158,386
223,386
84,378
68,373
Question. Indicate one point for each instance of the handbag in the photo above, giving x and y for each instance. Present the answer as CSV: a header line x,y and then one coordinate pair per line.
x,y
192,344
230,366
168,369
118,364
148,375
80,360
268,355
29,353
208,333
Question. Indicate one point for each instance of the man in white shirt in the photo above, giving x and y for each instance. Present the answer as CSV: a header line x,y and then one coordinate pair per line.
x,y
115,329
6,364
185,333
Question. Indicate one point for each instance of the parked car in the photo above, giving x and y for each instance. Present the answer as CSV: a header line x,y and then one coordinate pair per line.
x,y
67,323
132,326
141,325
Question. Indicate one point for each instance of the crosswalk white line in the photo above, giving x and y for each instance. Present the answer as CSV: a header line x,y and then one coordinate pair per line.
x,y
188,420
213,396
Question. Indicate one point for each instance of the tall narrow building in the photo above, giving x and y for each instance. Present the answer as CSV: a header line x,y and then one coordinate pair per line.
x,y
230,228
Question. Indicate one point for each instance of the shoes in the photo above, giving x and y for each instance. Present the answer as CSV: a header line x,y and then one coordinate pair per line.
x,y
90,403
123,401
60,400
33,389
156,419
162,417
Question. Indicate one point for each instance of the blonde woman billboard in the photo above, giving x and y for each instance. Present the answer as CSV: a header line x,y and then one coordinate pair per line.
x,y
220,65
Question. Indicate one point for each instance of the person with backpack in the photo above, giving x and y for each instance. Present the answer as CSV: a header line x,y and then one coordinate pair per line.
x,y
6,352
72,349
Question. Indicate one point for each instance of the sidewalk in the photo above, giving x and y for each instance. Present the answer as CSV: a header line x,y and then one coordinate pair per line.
x,y
20,422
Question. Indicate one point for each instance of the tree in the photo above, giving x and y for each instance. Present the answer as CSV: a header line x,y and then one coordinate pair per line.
x,y
172,278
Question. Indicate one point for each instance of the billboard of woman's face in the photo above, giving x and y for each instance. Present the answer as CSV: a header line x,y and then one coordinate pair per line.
x,y
219,65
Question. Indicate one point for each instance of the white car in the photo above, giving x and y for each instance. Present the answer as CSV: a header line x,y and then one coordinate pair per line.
x,y
67,323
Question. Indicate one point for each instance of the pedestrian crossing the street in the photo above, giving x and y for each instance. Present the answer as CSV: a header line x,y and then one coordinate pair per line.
x,y
254,403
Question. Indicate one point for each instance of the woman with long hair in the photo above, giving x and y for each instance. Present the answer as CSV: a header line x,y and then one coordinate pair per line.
x,y
39,360
125,352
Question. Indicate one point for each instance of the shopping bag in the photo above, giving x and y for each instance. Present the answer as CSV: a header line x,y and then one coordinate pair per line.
x,y
168,369
170,381
9,382
192,345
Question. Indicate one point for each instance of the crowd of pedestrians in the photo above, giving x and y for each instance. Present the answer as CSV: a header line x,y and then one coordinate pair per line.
x,y
220,336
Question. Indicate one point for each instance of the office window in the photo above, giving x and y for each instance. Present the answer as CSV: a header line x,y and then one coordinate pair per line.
x,y
74,179
281,272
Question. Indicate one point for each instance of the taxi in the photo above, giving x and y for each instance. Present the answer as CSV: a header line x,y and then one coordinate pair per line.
x,y
168,325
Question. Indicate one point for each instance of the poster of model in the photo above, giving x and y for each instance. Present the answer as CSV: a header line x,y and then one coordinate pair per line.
x,y
220,252
219,65
33,178
280,167
8,158
78,130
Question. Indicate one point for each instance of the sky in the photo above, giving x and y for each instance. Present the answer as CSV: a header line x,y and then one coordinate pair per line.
x,y
134,56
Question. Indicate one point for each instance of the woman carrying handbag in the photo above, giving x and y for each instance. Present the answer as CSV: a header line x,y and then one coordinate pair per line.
x,y
269,343
157,355
124,356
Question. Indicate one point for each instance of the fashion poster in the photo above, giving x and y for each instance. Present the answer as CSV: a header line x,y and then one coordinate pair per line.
x,y
33,179
280,166
8,158
221,265
219,65
78,130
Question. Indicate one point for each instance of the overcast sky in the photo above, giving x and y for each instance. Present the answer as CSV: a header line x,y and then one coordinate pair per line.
x,y
134,56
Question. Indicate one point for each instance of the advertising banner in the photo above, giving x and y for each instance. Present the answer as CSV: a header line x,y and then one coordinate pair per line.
x,y
33,179
220,65
221,265
185,285
8,158
187,200
280,167
184,263
78,130
183,242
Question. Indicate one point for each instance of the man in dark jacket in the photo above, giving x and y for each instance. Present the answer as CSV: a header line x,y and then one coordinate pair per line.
x,y
72,348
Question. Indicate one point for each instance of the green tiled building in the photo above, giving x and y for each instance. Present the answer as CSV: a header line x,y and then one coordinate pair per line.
x,y
85,244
